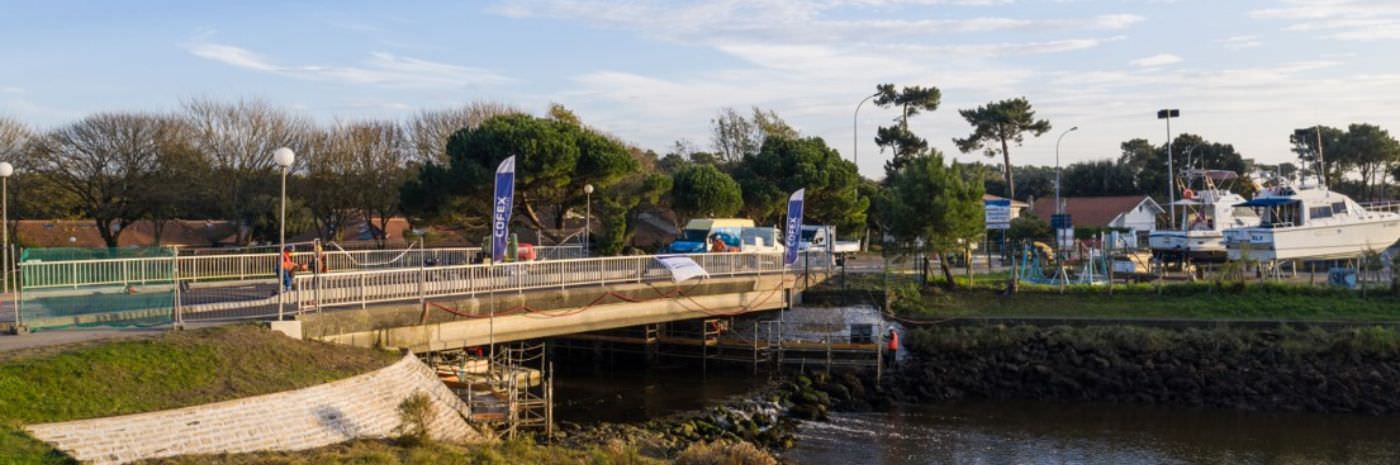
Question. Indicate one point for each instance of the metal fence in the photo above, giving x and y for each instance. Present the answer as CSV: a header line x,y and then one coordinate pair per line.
x,y
44,274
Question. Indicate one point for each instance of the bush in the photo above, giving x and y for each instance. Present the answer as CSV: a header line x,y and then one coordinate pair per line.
x,y
725,453
415,415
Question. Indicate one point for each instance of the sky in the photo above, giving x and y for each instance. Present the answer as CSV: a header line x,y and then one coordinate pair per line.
x,y
1243,72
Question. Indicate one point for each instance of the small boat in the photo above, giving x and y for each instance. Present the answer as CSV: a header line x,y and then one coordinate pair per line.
x,y
1312,223
1206,212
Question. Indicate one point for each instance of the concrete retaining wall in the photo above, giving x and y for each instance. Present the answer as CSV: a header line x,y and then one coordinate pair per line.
x,y
365,406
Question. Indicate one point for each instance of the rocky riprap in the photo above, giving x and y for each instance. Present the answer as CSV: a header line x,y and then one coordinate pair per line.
x,y
1348,370
767,417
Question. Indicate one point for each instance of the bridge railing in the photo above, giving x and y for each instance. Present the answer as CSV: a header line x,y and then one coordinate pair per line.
x,y
361,288
228,267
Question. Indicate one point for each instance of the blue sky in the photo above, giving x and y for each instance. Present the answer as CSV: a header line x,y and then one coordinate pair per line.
x,y
651,72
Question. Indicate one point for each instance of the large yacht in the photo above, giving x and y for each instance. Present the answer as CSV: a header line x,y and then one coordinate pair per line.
x,y
1311,223
1206,213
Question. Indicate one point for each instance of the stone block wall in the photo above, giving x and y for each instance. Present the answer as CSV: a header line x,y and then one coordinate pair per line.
x,y
364,406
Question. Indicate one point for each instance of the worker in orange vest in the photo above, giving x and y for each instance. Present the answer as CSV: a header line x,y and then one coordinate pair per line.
x,y
288,266
892,346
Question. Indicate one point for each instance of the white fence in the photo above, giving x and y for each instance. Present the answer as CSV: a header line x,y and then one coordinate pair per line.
x,y
362,288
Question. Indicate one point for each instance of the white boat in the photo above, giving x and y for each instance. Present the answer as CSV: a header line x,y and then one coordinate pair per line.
x,y
1311,223
1205,215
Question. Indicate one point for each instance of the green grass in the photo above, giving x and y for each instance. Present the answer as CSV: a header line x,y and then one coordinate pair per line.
x,y
1172,301
1207,300
177,369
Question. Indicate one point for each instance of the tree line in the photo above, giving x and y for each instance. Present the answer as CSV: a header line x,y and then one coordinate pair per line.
x,y
212,160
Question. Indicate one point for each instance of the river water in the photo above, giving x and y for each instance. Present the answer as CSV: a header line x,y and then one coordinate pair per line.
x,y
624,389
1034,433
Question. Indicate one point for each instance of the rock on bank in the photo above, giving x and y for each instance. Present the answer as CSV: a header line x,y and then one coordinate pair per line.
x,y
1347,370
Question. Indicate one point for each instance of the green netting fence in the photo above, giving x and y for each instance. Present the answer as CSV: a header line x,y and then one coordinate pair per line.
x,y
75,287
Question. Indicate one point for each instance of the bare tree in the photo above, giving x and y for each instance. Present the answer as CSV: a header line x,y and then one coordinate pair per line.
x,y
13,137
734,135
328,189
429,130
379,158
106,161
239,139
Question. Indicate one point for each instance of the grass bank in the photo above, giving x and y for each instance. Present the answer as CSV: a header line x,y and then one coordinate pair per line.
x,y
1206,300
173,370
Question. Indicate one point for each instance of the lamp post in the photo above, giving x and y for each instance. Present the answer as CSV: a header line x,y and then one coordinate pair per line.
x,y
1058,208
1168,114
587,218
284,158
6,169
855,131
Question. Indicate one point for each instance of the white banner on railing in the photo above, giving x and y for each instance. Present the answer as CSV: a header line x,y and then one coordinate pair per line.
x,y
682,268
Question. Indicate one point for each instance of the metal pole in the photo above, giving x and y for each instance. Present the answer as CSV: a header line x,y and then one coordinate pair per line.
x,y
1321,165
5,223
855,156
282,247
587,222
1171,173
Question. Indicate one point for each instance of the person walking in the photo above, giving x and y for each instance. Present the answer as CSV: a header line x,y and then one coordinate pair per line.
x,y
288,266
892,347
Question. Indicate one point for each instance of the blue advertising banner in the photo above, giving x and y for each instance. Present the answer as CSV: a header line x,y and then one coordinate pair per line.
x,y
503,199
793,231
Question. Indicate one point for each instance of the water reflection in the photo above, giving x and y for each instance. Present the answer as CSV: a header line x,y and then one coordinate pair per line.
x,y
1045,433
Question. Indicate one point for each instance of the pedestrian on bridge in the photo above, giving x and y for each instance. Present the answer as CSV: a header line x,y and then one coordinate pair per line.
x,y
287,266
892,346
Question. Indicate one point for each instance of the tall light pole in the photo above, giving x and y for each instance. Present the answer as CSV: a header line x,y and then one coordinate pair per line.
x,y
855,131
284,158
587,218
1168,114
1058,208
6,169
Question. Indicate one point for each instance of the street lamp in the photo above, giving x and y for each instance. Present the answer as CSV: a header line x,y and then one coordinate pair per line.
x,y
284,158
1168,114
587,217
6,169
1058,208
855,132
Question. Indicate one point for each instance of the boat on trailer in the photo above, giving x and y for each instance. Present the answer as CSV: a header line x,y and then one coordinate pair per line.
x,y
1206,213
1312,223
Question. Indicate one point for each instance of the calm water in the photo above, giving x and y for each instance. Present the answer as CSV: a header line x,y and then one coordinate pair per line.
x,y
1048,433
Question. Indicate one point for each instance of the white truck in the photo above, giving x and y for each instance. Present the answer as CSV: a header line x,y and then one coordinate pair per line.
x,y
820,237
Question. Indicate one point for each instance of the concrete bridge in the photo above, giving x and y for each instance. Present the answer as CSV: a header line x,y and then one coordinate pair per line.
x,y
494,318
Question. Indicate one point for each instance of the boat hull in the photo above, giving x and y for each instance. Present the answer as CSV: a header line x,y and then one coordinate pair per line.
x,y
1321,242
1201,246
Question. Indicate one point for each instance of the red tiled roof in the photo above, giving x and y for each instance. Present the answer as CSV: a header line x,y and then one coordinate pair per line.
x,y
1089,211
83,233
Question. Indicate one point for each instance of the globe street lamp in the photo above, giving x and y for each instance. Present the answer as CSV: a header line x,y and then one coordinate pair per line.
x,y
284,158
587,217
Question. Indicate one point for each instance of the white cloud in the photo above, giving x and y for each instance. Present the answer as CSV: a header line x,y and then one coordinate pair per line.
x,y
1241,42
1351,20
381,69
1153,61
11,90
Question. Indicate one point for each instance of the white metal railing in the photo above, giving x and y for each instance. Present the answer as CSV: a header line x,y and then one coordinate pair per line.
x,y
196,268
361,288
229,267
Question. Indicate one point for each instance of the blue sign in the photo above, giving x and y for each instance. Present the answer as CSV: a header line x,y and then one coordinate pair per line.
x,y
1061,221
793,232
997,213
502,200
